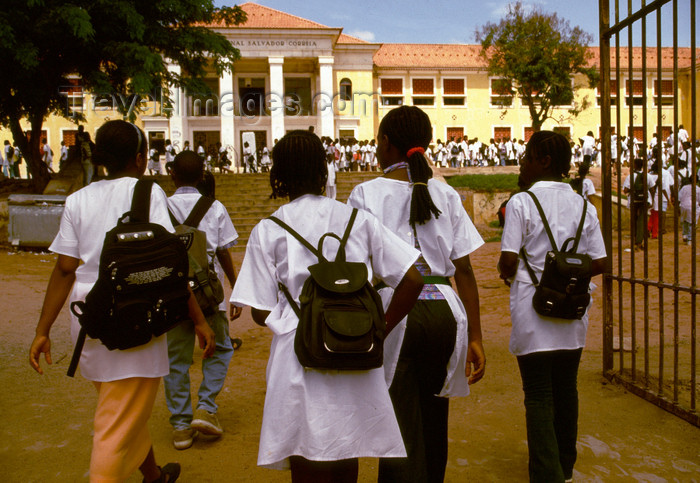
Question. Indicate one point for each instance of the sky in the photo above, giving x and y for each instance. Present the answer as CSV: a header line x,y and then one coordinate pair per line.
x,y
455,21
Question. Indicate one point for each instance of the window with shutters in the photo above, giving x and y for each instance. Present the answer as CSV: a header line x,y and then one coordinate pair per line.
x,y
613,93
501,93
453,92
501,133
634,92
391,91
665,88
423,92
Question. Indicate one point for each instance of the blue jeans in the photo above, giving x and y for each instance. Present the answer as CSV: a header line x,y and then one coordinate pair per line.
x,y
177,384
551,412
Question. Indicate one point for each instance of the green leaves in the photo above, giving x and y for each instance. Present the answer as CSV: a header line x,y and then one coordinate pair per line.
x,y
540,54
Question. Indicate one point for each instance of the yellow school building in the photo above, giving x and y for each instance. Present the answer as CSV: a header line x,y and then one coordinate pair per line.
x,y
295,73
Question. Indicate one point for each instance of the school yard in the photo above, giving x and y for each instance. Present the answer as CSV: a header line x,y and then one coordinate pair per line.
x,y
47,419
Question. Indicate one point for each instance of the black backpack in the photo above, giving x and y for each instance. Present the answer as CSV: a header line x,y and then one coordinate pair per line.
x,y
10,152
639,196
341,317
454,150
202,277
141,290
562,291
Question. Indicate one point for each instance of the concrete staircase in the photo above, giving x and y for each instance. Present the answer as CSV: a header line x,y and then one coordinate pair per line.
x,y
247,197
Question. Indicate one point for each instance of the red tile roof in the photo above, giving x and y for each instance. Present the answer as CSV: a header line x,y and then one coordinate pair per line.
x,y
261,17
684,57
429,55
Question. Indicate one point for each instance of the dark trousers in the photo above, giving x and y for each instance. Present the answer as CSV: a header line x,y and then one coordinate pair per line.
x,y
420,374
551,412
638,210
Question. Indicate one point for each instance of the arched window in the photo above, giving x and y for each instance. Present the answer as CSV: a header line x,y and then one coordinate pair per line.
x,y
346,89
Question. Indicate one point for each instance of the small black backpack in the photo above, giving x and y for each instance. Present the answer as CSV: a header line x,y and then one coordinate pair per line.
x,y
562,291
141,290
341,317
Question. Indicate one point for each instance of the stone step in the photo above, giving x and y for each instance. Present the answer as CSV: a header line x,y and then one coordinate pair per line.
x,y
247,197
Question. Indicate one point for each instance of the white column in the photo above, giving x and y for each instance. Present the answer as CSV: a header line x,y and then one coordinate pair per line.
x,y
177,114
325,97
226,109
275,98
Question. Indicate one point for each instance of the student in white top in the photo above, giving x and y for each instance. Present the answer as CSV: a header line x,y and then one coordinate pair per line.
x,y
685,201
6,163
187,171
126,380
318,422
587,147
64,155
581,184
548,349
47,154
638,209
436,352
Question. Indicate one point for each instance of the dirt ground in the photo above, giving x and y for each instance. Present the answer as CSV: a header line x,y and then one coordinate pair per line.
x,y
47,429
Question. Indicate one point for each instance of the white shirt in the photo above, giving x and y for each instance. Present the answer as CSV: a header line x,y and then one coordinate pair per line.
x,y
88,215
666,183
629,182
216,223
532,332
169,156
685,197
449,237
317,414
587,145
587,188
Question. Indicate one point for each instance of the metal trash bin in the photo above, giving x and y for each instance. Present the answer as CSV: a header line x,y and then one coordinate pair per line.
x,y
34,219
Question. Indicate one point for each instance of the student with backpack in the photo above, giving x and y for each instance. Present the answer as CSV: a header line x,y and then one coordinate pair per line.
x,y
194,215
436,352
638,199
318,422
126,380
548,348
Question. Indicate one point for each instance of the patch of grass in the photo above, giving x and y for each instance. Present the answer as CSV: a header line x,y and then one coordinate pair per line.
x,y
485,182
494,224
496,238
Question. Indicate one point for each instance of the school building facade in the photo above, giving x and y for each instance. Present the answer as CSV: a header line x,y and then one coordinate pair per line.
x,y
295,73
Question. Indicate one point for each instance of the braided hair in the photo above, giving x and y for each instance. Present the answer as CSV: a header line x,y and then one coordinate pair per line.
x,y
554,145
116,144
408,127
298,166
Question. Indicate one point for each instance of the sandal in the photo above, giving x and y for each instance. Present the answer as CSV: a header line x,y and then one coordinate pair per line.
x,y
168,473
236,342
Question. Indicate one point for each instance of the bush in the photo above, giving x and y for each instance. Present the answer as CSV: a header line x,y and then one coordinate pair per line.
x,y
485,182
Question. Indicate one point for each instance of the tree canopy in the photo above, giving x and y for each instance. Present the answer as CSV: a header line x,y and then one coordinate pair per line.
x,y
121,47
537,55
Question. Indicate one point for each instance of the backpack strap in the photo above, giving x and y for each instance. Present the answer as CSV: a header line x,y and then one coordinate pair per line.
x,y
296,235
340,254
544,219
141,202
579,230
200,209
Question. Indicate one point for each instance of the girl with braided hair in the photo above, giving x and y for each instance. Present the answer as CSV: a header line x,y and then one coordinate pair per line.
x,y
436,352
318,422
548,349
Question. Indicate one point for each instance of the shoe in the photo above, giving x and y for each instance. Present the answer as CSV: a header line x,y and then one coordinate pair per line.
x,y
206,423
168,473
183,438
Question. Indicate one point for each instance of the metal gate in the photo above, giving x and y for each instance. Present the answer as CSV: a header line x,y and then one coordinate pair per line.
x,y
649,295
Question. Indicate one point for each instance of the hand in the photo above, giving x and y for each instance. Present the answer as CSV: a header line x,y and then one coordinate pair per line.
x,y
234,311
40,344
477,358
207,339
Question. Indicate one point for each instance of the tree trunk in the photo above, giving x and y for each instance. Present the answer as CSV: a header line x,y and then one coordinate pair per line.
x,y
31,153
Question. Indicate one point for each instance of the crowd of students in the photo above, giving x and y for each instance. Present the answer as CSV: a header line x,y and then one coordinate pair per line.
x,y
415,239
